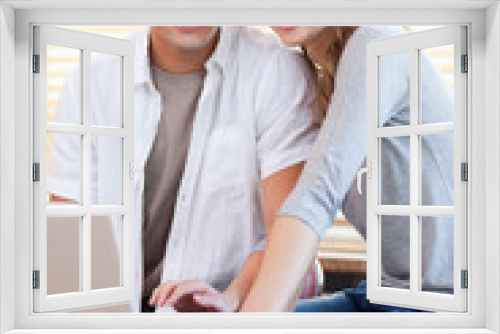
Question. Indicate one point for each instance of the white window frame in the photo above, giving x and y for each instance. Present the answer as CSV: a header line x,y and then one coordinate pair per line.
x,y
415,44
484,49
85,43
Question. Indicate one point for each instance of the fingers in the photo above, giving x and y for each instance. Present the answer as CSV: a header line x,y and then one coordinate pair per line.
x,y
167,294
189,287
154,296
161,293
190,296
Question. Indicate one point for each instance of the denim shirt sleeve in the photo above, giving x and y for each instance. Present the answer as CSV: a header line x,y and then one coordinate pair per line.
x,y
340,148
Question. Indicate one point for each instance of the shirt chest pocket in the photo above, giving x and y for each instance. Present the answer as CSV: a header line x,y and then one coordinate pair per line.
x,y
223,159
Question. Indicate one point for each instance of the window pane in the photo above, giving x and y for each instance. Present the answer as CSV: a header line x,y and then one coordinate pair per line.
x,y
63,85
63,168
437,254
436,79
395,170
437,169
106,99
106,251
63,254
395,251
106,170
394,79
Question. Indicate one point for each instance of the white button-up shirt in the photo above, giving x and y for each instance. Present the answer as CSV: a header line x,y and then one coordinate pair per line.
x,y
253,119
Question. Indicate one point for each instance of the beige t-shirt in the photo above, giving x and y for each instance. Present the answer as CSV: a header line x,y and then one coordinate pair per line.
x,y
165,165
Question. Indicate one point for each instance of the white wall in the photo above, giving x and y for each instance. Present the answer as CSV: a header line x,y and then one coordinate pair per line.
x,y
7,124
492,163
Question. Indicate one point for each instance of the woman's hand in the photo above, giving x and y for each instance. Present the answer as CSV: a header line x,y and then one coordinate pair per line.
x,y
191,296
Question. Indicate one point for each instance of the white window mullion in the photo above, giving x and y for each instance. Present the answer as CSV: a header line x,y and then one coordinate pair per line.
x,y
86,175
419,210
419,129
392,210
414,171
75,129
86,266
373,263
129,253
433,211
393,131
417,120
78,211
82,130
431,129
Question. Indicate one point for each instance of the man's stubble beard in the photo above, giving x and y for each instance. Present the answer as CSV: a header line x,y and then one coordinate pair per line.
x,y
192,44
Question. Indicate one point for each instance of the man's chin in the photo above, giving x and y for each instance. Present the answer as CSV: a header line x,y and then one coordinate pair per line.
x,y
193,45
193,38
189,29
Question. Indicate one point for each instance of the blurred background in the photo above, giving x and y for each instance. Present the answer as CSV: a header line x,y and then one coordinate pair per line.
x,y
342,254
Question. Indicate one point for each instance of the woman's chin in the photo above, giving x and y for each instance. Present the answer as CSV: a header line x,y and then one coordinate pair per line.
x,y
291,42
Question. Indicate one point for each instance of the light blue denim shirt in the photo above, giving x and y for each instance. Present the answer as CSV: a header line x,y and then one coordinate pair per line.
x,y
328,180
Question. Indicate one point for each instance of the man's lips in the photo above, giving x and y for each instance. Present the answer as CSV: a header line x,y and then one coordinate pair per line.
x,y
189,29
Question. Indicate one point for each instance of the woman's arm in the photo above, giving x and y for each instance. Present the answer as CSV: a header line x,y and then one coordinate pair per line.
x,y
327,177
240,286
283,267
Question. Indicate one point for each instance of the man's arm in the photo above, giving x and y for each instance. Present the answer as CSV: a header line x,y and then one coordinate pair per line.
x,y
275,190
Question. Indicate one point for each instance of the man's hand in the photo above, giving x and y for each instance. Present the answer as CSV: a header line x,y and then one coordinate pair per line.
x,y
191,296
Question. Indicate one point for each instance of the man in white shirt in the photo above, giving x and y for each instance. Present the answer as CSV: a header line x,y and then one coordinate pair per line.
x,y
222,128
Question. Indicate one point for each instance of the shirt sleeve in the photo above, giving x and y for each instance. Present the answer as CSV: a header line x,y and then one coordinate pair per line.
x,y
285,124
340,149
63,165
260,246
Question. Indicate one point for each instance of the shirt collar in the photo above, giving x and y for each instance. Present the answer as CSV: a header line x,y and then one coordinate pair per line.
x,y
221,56
223,52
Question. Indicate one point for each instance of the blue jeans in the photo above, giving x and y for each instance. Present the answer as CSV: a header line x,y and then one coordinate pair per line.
x,y
348,300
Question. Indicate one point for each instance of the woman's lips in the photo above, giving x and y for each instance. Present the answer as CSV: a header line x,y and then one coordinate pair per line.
x,y
189,29
286,29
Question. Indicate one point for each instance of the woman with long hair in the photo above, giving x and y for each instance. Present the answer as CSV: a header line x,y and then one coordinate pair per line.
x,y
337,56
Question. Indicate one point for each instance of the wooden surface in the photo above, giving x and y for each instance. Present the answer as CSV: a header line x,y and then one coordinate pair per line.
x,y
343,250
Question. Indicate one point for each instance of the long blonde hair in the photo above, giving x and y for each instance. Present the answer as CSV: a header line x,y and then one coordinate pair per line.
x,y
325,76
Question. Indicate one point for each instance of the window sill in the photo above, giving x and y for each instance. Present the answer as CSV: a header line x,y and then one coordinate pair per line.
x,y
245,331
